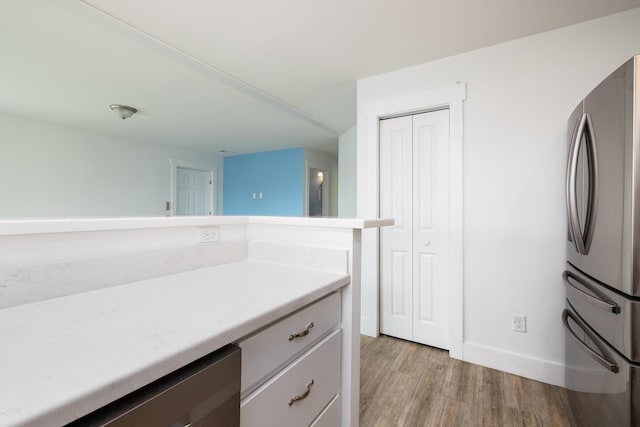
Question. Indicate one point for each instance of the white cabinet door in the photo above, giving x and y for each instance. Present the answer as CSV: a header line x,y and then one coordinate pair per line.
x,y
298,394
414,191
271,348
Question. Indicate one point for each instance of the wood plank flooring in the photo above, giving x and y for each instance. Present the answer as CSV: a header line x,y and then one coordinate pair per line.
x,y
408,384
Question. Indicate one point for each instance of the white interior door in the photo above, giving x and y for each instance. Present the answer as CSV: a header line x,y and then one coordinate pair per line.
x,y
396,263
431,228
414,190
193,192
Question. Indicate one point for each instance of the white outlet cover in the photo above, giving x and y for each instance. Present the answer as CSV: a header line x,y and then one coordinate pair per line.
x,y
519,323
208,234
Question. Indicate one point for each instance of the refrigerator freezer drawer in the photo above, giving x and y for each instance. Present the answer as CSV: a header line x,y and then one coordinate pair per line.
x,y
613,316
602,390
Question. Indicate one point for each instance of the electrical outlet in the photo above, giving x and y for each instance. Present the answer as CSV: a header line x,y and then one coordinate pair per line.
x,y
209,234
519,323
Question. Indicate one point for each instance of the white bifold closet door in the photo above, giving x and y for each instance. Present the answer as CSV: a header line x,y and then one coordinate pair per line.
x,y
414,253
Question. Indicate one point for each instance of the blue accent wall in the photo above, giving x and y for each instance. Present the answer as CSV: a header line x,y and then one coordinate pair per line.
x,y
278,175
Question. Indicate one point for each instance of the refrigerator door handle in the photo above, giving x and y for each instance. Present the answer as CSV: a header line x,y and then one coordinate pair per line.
x,y
592,155
582,240
601,359
571,178
602,303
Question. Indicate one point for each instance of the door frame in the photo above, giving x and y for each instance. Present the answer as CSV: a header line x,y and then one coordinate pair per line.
x,y
325,188
368,205
185,164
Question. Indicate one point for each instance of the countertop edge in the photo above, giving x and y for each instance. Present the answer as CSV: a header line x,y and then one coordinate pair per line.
x,y
12,227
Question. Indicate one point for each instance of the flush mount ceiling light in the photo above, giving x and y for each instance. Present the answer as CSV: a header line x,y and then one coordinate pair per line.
x,y
123,111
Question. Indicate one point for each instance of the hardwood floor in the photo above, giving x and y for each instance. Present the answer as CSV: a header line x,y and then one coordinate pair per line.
x,y
408,384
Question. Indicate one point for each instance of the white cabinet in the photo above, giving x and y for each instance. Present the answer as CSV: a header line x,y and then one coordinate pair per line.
x,y
299,393
268,350
291,371
330,417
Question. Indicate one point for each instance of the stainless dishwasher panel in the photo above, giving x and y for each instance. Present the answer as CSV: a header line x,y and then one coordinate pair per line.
x,y
601,384
205,393
615,317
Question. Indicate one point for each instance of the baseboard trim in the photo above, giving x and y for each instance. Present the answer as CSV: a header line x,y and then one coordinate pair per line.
x,y
520,364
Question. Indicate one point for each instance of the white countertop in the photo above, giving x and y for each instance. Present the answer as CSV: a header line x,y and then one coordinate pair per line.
x,y
65,225
65,357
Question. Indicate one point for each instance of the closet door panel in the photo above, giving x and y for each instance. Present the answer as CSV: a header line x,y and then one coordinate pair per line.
x,y
414,254
396,258
431,228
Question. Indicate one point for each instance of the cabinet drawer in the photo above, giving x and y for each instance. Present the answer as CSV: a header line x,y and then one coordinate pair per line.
x,y
268,350
317,371
330,417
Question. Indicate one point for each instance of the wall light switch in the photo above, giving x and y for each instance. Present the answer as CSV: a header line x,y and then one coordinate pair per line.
x,y
253,196
260,195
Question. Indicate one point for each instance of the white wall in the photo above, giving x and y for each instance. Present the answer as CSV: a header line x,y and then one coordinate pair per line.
x,y
519,96
326,162
347,173
51,170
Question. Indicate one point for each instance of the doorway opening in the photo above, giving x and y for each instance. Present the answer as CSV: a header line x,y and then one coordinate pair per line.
x,y
192,189
317,182
316,190
414,252
368,195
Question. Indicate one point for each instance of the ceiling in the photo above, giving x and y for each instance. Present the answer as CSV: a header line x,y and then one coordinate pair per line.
x,y
239,76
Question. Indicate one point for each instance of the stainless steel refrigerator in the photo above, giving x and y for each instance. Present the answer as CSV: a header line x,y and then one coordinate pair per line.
x,y
602,277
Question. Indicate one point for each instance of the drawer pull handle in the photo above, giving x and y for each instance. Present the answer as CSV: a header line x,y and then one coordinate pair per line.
x,y
303,333
610,306
303,395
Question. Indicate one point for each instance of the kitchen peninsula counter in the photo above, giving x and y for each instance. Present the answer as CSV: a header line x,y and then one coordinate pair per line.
x,y
93,309
65,357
